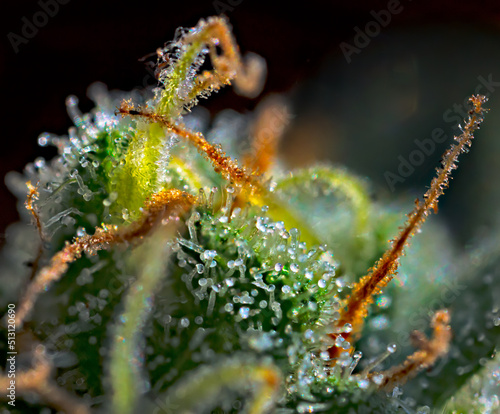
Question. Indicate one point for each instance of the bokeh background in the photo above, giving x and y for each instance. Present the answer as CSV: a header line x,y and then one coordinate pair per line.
x,y
364,114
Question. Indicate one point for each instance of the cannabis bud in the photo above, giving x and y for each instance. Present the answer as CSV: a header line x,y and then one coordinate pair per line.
x,y
168,277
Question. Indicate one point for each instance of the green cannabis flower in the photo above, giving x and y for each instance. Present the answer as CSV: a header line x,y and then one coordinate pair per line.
x,y
179,280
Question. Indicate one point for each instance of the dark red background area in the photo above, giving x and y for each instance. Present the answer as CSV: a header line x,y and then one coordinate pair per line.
x,y
89,41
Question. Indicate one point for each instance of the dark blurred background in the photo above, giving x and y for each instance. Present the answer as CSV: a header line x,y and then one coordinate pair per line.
x,y
364,111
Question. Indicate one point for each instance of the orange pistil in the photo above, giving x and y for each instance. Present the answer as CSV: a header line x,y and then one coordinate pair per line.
x,y
361,297
272,118
37,380
31,198
228,66
222,163
429,351
33,195
164,204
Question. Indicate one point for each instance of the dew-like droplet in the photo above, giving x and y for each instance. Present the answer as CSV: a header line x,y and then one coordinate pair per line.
x,y
392,348
363,384
308,334
377,379
244,312
43,140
